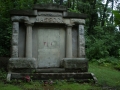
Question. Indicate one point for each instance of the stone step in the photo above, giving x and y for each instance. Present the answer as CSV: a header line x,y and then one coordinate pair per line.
x,y
50,70
56,76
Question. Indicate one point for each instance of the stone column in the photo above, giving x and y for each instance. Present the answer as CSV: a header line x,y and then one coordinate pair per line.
x,y
81,42
15,35
29,40
69,42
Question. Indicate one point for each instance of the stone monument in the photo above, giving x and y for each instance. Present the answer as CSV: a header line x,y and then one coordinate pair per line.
x,y
49,41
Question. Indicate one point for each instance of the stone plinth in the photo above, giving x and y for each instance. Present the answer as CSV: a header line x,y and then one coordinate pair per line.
x,y
75,64
79,77
19,63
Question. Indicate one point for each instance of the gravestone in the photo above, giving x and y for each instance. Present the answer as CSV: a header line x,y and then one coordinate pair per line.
x,y
47,40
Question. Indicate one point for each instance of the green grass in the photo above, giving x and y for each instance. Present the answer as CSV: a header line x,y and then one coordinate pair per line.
x,y
9,87
107,77
76,86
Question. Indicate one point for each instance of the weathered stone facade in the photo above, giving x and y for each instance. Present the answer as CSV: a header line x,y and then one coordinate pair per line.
x,y
48,37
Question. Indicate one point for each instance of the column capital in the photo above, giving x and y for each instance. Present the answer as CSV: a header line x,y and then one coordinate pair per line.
x,y
29,23
77,21
19,18
69,25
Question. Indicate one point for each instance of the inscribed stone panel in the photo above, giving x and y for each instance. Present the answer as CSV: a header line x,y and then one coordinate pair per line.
x,y
48,47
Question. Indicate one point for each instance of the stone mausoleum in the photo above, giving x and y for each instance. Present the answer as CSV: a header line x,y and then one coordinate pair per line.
x,y
49,43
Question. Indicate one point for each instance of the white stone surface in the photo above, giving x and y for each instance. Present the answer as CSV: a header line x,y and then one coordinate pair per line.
x,y
81,42
69,41
49,48
15,35
29,40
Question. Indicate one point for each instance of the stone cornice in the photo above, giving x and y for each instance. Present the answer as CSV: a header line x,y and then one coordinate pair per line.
x,y
49,7
77,21
22,13
20,18
74,15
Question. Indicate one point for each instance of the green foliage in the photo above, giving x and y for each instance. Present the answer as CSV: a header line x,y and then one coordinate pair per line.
x,y
108,62
6,24
3,74
103,43
9,87
73,10
95,44
116,17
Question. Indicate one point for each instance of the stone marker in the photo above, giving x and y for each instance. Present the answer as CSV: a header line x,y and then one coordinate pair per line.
x,y
47,39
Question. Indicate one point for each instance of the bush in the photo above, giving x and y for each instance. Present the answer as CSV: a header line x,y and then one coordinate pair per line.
x,y
3,74
109,61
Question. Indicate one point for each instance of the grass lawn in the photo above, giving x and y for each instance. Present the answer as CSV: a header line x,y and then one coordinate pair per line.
x,y
108,79
106,75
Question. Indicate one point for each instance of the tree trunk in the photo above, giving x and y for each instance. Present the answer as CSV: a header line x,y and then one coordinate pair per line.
x,y
61,2
73,4
69,3
91,24
35,1
105,9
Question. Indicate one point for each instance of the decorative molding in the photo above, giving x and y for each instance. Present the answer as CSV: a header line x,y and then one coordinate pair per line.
x,y
49,19
20,18
77,21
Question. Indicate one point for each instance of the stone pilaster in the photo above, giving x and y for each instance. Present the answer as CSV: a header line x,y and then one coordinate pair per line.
x,y
69,42
29,40
81,42
15,35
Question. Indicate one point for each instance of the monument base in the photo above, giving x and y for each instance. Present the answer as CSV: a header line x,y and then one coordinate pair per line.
x,y
72,68
80,77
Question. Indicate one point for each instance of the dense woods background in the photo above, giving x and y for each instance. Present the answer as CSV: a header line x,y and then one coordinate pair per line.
x,y
101,30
